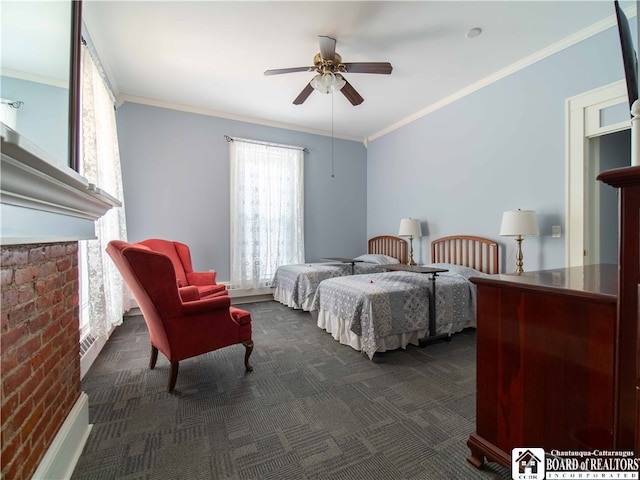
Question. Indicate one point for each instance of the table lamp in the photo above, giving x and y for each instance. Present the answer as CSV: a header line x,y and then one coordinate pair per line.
x,y
410,227
519,223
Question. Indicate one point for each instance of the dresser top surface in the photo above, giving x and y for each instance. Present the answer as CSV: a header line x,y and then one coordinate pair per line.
x,y
600,280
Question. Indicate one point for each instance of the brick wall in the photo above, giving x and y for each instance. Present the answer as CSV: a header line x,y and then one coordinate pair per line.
x,y
39,345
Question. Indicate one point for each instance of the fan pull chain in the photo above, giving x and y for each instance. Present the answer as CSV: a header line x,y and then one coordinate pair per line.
x,y
332,155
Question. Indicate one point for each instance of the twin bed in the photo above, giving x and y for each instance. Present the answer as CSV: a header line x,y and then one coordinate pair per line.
x,y
295,285
376,312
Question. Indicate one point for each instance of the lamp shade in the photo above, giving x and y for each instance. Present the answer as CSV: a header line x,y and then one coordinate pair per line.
x,y
339,83
319,84
327,82
410,227
519,222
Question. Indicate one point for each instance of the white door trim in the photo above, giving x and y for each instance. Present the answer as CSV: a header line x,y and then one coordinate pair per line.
x,y
583,122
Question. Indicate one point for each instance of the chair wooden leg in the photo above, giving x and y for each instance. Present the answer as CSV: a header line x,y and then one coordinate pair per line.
x,y
173,375
249,348
154,357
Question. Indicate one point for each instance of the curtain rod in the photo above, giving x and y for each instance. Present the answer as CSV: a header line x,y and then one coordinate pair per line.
x,y
12,103
258,142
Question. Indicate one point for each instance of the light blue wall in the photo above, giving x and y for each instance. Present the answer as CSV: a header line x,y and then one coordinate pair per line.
x,y
175,169
44,117
500,148
457,169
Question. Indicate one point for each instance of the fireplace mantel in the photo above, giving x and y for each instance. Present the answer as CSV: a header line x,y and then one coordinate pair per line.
x,y
42,202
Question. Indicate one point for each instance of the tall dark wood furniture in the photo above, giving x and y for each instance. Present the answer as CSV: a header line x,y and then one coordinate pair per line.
x,y
627,381
557,351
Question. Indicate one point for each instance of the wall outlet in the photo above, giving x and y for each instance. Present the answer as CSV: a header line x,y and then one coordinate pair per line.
x,y
556,231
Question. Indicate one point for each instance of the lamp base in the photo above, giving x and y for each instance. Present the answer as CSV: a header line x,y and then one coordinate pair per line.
x,y
411,261
519,262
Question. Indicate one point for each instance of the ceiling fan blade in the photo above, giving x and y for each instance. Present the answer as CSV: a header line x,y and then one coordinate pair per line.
x,y
327,47
278,71
384,68
304,94
351,94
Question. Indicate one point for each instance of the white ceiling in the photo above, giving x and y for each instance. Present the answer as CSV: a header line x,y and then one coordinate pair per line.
x,y
209,56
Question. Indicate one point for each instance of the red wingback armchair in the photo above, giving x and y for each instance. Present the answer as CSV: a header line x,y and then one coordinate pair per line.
x,y
181,324
180,256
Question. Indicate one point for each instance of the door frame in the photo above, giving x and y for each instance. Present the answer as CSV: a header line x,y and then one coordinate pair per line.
x,y
583,123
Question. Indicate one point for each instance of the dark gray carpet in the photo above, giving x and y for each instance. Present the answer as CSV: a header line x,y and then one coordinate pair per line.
x,y
311,409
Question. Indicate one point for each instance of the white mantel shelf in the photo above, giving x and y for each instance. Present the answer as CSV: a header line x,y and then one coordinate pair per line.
x,y
41,201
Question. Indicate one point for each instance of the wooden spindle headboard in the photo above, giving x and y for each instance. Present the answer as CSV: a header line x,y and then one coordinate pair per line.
x,y
475,252
395,247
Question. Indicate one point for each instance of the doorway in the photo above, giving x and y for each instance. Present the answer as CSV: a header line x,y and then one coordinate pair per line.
x,y
612,150
598,129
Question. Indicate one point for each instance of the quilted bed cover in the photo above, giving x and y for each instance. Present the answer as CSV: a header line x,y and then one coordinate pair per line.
x,y
383,311
295,285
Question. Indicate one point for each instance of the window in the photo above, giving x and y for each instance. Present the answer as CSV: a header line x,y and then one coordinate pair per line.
x,y
267,217
103,295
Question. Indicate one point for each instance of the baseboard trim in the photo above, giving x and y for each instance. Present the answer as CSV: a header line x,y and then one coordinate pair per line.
x,y
238,296
66,448
265,297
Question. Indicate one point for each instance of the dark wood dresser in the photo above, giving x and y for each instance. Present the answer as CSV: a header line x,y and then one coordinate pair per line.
x,y
545,361
558,362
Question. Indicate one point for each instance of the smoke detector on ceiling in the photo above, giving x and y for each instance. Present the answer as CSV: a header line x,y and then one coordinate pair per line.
x,y
474,32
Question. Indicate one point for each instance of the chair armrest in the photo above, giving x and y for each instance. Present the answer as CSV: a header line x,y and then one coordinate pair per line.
x,y
201,278
241,316
216,288
223,302
189,294
218,292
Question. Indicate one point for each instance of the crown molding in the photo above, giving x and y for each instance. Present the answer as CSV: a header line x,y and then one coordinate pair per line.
x,y
31,77
123,98
567,42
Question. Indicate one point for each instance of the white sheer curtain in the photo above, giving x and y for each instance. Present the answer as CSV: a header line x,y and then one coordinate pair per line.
x,y
267,211
108,297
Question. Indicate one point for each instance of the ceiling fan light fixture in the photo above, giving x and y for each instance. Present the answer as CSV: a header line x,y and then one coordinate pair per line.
x,y
328,67
318,84
327,82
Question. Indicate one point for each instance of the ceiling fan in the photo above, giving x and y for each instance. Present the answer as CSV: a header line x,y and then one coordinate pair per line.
x,y
329,68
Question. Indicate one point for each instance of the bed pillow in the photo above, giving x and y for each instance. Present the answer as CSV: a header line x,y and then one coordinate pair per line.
x,y
378,259
466,272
